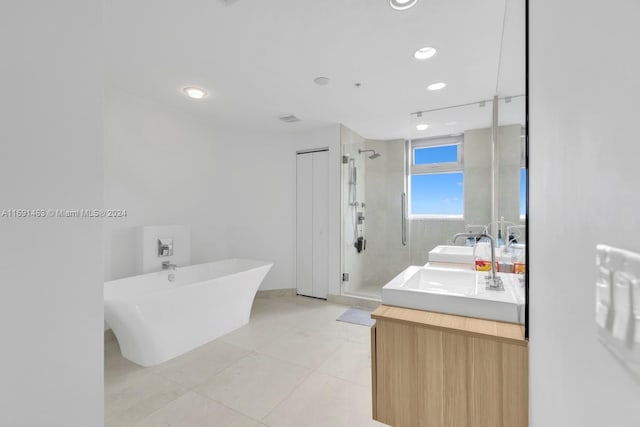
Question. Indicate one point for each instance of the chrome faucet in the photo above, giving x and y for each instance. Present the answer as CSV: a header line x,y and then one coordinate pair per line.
x,y
511,238
166,265
493,281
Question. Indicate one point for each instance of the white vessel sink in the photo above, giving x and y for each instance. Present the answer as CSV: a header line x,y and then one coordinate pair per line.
x,y
461,254
456,291
455,254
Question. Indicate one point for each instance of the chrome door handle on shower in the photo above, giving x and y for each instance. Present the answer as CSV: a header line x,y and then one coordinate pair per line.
x,y
403,210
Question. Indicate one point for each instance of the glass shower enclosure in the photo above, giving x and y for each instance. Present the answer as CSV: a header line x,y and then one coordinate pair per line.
x,y
374,247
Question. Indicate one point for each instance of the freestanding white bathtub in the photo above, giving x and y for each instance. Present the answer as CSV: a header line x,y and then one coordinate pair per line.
x,y
155,319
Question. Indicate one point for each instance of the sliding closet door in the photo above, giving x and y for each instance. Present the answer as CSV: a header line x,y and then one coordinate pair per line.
x,y
312,224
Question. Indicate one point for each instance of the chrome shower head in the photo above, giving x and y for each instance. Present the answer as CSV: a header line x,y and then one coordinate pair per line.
x,y
375,155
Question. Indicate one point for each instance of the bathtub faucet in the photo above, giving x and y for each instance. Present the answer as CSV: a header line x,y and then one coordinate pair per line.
x,y
166,265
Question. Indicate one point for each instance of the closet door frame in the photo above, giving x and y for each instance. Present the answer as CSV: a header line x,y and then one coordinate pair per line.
x,y
312,223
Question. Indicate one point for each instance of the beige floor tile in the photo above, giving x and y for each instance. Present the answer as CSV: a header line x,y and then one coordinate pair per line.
x,y
302,347
347,331
254,385
322,400
261,370
199,365
116,366
324,321
351,362
317,312
132,397
193,410
304,301
276,309
257,333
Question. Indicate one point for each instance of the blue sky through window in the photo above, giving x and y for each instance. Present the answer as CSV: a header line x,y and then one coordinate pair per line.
x,y
523,191
437,194
439,154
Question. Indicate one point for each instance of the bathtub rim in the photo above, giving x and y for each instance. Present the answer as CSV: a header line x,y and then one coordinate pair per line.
x,y
259,264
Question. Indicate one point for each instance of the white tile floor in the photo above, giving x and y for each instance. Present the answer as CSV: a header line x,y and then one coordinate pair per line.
x,y
292,365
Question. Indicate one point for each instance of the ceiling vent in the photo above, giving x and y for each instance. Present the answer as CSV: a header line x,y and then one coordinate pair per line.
x,y
289,118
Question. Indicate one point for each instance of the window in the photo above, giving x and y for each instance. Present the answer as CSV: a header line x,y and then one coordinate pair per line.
x,y
435,155
437,178
523,176
523,193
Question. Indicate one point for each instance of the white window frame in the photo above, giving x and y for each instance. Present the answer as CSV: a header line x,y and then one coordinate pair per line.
x,y
436,168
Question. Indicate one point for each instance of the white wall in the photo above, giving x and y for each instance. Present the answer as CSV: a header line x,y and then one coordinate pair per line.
x,y
584,190
235,188
165,168
51,137
260,171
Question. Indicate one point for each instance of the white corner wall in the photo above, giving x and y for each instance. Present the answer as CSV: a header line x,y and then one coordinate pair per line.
x,y
51,80
584,151
164,167
236,189
261,208
260,221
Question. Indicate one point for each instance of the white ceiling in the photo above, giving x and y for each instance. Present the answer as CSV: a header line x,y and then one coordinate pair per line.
x,y
258,59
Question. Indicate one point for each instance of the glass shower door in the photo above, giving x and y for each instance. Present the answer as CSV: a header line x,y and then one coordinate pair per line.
x,y
374,226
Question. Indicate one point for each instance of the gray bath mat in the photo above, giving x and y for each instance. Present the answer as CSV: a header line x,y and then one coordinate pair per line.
x,y
357,316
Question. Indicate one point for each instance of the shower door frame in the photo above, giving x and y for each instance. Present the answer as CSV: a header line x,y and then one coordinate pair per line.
x,y
403,225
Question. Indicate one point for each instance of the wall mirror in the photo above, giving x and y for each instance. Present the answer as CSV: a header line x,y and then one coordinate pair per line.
x,y
460,166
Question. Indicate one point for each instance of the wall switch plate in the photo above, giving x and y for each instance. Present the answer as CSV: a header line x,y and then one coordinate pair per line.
x,y
617,308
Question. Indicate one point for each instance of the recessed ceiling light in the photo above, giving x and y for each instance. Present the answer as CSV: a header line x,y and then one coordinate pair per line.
x,y
424,53
402,4
422,126
436,86
195,92
321,81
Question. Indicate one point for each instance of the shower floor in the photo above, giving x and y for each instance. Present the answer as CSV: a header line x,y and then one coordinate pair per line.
x,y
373,291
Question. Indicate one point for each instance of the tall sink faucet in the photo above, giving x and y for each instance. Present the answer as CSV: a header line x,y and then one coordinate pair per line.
x,y
493,281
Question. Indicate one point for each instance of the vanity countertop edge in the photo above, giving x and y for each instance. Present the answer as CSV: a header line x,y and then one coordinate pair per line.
x,y
502,331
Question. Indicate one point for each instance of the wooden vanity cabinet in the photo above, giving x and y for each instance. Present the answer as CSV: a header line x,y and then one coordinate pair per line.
x,y
438,370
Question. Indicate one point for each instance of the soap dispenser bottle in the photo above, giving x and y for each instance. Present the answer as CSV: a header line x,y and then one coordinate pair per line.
x,y
482,255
